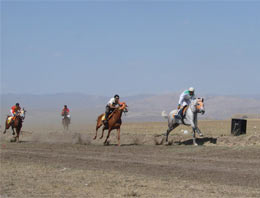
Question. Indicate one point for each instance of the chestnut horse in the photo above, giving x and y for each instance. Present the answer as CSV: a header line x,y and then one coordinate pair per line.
x,y
114,122
16,124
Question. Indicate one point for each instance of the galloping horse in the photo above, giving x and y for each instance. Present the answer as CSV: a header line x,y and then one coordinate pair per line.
x,y
114,122
65,121
16,124
196,106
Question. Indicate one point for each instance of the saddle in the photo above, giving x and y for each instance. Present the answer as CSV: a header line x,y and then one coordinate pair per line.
x,y
184,110
108,118
10,119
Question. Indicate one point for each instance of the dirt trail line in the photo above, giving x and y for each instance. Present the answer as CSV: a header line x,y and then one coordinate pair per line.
x,y
218,165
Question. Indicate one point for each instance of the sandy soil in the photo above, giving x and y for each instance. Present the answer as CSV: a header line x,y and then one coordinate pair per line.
x,y
57,164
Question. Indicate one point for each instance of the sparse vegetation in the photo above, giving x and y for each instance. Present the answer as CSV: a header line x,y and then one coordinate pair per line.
x,y
132,194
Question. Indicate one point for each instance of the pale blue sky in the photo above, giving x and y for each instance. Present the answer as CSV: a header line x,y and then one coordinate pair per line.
x,y
130,47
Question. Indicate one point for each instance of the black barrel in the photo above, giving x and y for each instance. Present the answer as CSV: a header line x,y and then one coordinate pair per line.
x,y
238,126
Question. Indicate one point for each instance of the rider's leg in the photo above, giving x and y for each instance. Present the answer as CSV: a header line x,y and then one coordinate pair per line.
x,y
107,113
11,113
12,117
179,114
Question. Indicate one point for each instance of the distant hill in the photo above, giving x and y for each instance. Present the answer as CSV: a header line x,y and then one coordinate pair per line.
x,y
85,108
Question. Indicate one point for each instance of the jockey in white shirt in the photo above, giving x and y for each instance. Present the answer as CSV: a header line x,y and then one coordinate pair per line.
x,y
112,104
185,100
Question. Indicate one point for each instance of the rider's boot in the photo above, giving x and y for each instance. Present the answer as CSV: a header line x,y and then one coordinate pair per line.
x,y
105,121
179,115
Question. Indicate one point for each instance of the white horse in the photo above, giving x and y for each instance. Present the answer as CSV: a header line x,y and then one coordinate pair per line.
x,y
190,119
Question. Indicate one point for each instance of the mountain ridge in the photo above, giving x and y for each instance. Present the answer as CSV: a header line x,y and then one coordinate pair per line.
x,y
143,107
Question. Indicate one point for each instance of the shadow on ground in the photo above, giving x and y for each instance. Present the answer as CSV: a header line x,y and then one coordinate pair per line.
x,y
200,141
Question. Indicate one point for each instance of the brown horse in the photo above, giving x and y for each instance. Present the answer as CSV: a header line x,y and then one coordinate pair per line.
x,y
16,124
66,121
114,122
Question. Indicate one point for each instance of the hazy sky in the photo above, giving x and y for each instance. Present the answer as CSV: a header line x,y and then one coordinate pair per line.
x,y
130,47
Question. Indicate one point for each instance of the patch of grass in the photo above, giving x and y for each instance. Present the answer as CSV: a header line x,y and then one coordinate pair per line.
x,y
132,194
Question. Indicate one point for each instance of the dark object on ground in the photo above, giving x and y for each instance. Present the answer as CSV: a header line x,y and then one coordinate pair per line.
x,y
238,126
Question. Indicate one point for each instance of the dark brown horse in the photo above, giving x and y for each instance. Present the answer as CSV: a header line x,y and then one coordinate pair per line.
x,y
16,124
66,121
114,122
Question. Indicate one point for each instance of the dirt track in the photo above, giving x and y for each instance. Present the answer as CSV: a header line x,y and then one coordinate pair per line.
x,y
37,169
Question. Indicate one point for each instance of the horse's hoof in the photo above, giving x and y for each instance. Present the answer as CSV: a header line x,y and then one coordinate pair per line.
x,y
94,137
101,137
195,144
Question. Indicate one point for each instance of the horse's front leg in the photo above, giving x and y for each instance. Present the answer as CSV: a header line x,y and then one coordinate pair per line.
x,y
118,136
194,136
17,135
108,134
199,132
196,127
13,131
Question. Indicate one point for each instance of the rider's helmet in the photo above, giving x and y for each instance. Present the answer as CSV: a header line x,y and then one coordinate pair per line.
x,y
17,104
116,96
65,106
191,91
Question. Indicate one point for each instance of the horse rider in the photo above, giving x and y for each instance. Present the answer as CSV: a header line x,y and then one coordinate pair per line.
x,y
184,101
112,104
14,111
65,110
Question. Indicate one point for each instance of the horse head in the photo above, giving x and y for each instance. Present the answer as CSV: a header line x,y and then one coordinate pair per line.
x,y
123,107
21,113
198,105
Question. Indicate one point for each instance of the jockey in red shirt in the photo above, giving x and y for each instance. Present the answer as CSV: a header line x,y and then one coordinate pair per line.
x,y
15,109
66,111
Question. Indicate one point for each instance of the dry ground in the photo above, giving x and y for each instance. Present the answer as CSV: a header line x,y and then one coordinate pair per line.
x,y
51,163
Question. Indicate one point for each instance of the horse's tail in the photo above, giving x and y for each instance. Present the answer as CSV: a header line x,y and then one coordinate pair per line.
x,y
164,114
99,120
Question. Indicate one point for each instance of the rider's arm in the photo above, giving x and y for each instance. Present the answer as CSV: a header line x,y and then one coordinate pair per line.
x,y
181,99
111,102
112,106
